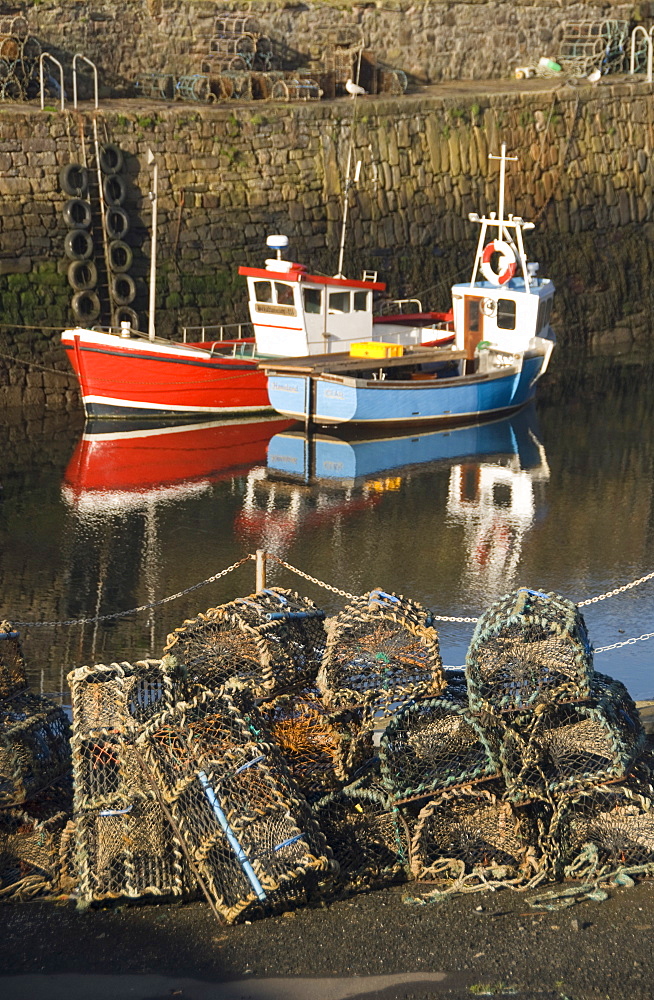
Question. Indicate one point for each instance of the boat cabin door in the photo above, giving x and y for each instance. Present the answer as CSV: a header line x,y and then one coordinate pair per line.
x,y
473,328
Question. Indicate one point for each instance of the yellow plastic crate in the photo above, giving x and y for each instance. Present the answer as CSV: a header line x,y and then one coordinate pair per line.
x,y
376,349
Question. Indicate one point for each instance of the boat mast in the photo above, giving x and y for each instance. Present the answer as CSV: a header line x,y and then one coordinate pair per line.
x,y
153,250
503,226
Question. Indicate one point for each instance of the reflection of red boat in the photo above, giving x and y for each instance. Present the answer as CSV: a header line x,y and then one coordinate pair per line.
x,y
125,465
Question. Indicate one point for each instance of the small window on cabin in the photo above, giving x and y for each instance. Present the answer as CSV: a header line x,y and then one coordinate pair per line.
x,y
339,302
263,291
361,302
506,314
544,313
473,314
284,294
312,300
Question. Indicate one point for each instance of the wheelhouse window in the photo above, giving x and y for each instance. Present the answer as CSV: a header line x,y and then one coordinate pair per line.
x,y
263,291
506,314
360,301
339,302
312,300
284,293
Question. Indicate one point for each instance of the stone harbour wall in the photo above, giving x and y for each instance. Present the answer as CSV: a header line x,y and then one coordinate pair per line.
x,y
229,176
431,41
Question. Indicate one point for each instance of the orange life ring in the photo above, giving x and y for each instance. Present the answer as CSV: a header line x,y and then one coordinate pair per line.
x,y
507,264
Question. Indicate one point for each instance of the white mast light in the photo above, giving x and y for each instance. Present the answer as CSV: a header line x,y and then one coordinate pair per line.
x,y
277,243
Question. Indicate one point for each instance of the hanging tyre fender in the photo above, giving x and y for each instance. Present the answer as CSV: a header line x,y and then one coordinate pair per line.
x,y
111,159
114,190
123,289
77,214
507,263
74,180
125,315
78,244
120,257
116,222
85,306
82,275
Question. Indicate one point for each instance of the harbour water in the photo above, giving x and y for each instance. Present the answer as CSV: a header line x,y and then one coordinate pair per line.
x,y
95,521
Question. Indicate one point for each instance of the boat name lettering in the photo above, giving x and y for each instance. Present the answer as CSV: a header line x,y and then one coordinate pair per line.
x,y
278,310
334,394
282,386
332,465
287,459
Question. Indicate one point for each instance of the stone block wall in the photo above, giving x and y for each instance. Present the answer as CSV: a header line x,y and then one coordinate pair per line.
x,y
431,41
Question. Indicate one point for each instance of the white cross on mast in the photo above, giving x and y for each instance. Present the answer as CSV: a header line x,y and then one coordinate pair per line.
x,y
503,158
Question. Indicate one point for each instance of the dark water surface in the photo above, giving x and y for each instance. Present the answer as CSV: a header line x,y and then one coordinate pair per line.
x,y
558,498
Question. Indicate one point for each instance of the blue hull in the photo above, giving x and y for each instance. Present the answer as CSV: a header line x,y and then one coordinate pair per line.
x,y
360,401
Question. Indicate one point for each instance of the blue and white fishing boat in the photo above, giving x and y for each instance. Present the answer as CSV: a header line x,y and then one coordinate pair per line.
x,y
501,345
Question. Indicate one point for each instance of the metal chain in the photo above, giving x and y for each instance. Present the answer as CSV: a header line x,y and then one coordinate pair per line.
x,y
618,590
311,579
143,607
625,642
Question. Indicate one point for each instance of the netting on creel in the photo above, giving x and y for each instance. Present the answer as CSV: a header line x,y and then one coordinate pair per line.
x,y
367,835
30,838
110,704
322,749
271,642
13,676
236,808
381,650
528,649
34,747
472,832
128,853
435,744
572,746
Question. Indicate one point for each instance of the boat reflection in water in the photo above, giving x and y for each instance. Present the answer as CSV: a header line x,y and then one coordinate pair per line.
x,y
131,464
494,469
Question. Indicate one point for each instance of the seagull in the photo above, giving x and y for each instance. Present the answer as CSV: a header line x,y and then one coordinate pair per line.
x,y
594,76
354,89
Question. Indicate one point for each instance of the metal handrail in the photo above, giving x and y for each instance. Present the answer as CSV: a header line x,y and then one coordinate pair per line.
x,y
43,56
78,55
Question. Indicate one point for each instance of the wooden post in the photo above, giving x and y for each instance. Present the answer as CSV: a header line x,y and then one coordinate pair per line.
x,y
260,579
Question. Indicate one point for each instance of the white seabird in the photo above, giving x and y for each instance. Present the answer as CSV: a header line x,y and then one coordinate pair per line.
x,y
354,89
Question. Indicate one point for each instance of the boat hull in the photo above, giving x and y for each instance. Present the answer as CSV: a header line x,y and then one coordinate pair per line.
x,y
328,399
126,377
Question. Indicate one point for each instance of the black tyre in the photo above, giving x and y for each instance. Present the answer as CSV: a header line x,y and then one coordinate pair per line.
x,y
120,257
82,275
111,159
116,222
123,289
114,189
125,315
74,180
85,306
77,214
78,244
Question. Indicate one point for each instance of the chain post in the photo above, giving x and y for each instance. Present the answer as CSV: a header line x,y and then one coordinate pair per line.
x,y
260,571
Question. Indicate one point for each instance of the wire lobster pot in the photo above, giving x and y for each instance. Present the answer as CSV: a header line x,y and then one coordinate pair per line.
x,y
588,44
322,749
30,837
128,852
433,745
295,89
270,642
382,650
235,808
367,835
569,747
528,649
13,675
616,819
473,831
34,746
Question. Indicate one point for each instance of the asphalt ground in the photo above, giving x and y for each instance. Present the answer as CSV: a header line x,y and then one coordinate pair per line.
x,y
374,945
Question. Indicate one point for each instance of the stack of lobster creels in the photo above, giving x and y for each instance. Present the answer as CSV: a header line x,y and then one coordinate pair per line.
x,y
272,757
